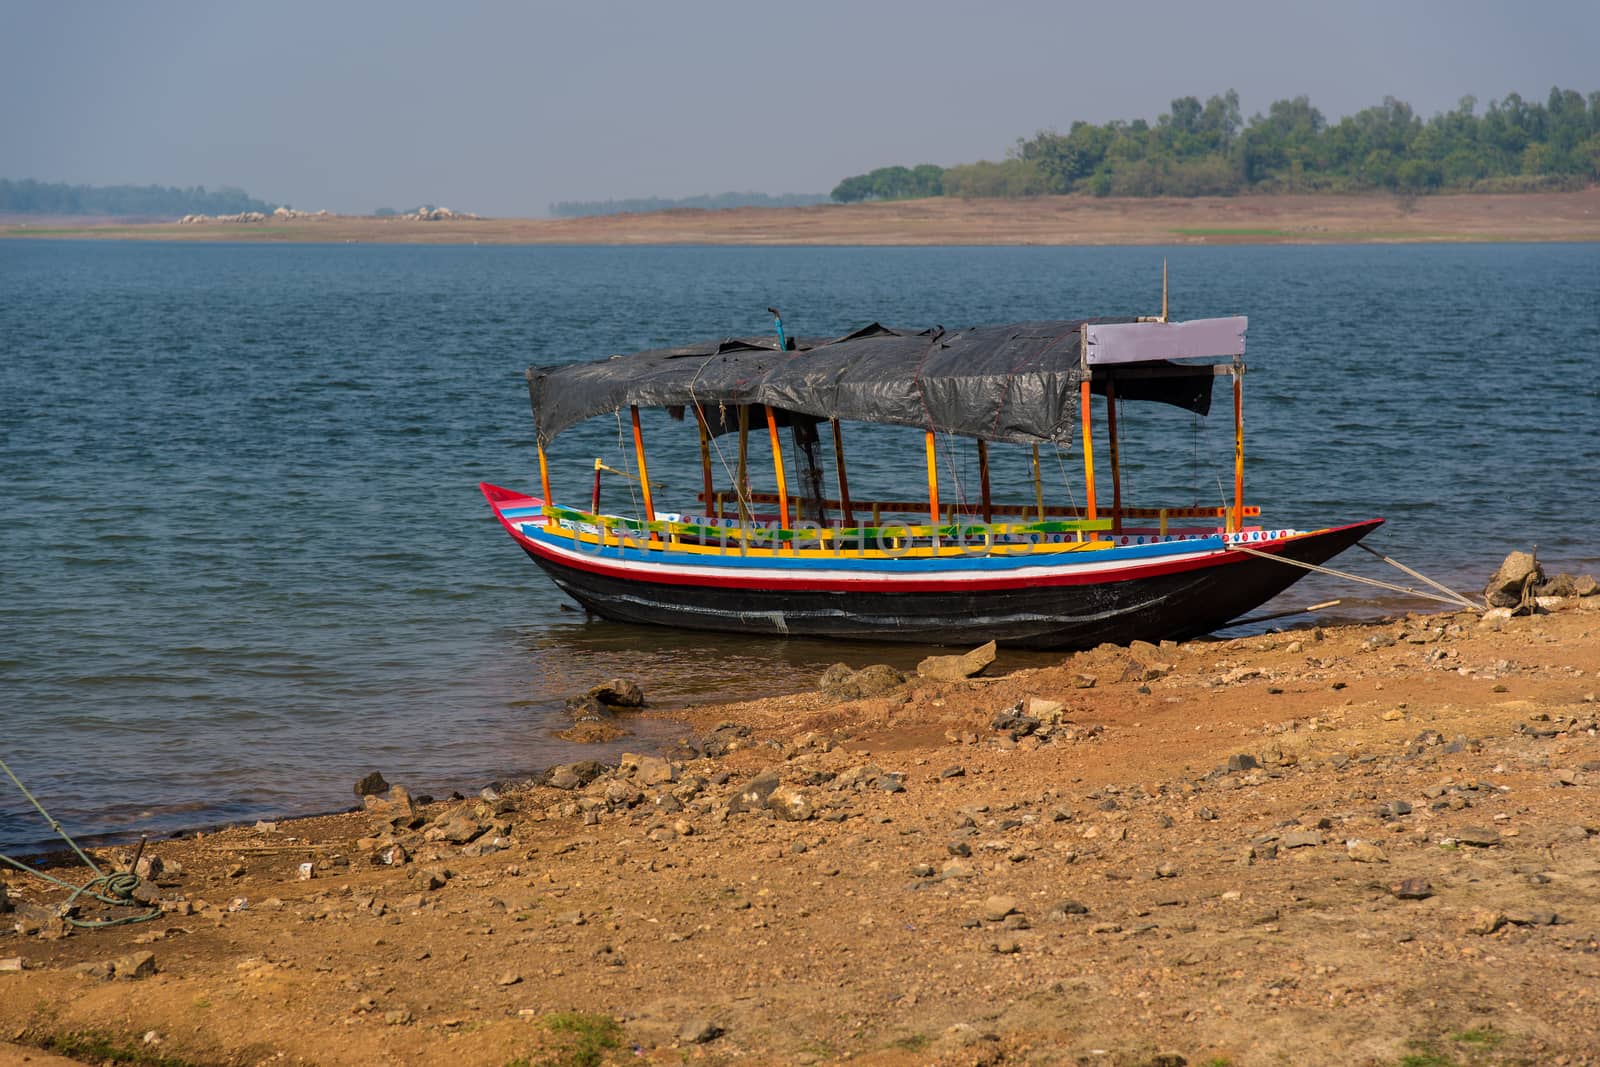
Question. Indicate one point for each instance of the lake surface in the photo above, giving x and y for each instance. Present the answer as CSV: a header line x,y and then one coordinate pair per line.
x,y
245,558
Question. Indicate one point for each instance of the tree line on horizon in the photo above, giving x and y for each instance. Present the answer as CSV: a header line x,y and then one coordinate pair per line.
x,y
573,209
1207,149
29,197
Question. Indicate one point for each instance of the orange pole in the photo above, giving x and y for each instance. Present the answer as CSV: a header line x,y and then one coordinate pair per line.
x,y
933,488
1116,466
777,465
644,471
1091,512
544,476
1238,449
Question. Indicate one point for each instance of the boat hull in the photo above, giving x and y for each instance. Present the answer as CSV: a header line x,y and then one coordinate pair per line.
x,y
1163,597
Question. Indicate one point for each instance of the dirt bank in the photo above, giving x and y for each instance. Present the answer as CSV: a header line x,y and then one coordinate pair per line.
x,y
1343,847
1049,220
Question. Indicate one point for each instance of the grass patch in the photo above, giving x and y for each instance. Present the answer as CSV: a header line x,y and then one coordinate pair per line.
x,y
912,1042
1482,1036
94,1047
587,1037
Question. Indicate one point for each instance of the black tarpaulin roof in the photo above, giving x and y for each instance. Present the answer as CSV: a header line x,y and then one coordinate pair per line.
x,y
1016,382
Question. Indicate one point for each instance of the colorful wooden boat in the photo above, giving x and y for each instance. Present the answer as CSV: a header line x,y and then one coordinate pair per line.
x,y
930,570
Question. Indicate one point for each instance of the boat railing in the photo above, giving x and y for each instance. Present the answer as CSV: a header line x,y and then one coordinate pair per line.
x,y
724,502
887,540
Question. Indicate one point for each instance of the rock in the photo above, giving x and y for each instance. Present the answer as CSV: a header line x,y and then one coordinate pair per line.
x,y
1166,870
955,770
1065,908
791,804
591,732
1365,852
133,966
1412,889
1586,585
1300,839
1242,762
395,805
1083,681
1012,721
955,668
588,708
646,770
574,775
1046,710
1006,946
724,738
1517,574
5,899
1477,837
957,870
618,693
1484,922
753,797
996,908
699,1031
457,828
371,783
841,683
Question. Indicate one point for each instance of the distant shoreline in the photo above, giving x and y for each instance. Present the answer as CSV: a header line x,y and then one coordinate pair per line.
x,y
1049,220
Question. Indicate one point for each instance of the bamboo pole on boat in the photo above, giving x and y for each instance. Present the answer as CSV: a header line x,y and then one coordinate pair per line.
x,y
1238,447
1090,511
844,481
741,491
983,479
1038,484
594,497
777,465
705,456
933,487
544,475
1116,464
644,470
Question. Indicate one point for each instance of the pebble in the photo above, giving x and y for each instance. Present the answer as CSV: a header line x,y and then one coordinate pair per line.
x,y
1412,889
1300,839
509,978
996,908
1477,837
1484,922
1365,852
699,1031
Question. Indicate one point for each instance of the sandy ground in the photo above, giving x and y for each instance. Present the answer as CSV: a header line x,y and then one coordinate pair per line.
x,y
1052,220
1370,845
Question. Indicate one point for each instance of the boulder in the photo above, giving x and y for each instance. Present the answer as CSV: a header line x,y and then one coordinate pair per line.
x,y
1517,573
574,775
790,803
842,683
955,668
371,783
395,806
724,738
618,693
646,770
753,797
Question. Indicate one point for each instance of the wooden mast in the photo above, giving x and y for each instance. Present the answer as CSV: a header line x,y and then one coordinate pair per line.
x,y
844,481
933,488
544,475
1238,446
1116,468
705,458
741,491
983,479
1038,484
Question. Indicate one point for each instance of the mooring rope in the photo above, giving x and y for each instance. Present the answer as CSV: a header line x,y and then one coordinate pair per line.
x,y
115,890
1454,600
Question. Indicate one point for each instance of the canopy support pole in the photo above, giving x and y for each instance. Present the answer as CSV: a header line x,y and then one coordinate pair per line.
x,y
1090,511
741,491
844,481
1116,465
983,479
705,456
933,487
1038,484
544,475
805,441
1238,447
644,470
777,465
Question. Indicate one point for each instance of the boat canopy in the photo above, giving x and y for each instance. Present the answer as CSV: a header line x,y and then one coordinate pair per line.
x,y
1016,382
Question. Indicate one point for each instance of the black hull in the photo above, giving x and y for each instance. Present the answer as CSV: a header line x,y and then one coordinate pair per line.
x,y
1174,606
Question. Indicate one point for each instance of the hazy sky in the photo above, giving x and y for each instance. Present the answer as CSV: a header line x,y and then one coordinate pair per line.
x,y
502,108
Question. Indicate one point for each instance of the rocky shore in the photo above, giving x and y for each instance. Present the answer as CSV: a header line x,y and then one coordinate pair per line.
x,y
1359,845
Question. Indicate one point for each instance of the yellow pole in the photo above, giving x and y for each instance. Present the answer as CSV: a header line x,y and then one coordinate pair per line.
x,y
644,471
1238,448
741,491
1092,512
1038,484
933,488
544,476
777,465
983,479
1116,468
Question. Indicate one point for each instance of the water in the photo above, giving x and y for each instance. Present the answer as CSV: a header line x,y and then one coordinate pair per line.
x,y
245,559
